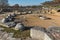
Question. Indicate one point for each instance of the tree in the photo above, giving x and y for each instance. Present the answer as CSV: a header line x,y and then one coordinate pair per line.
x,y
16,6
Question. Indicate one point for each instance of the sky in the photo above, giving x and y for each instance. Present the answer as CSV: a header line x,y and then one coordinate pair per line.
x,y
26,2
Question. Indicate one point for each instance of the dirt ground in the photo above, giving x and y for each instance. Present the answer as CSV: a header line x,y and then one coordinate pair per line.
x,y
34,20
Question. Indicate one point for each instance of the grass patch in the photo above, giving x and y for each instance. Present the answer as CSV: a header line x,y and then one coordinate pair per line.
x,y
17,33
22,34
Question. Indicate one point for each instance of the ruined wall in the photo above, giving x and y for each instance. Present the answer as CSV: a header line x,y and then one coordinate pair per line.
x,y
48,11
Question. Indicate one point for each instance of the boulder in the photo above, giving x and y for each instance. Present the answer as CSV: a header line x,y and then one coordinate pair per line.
x,y
19,26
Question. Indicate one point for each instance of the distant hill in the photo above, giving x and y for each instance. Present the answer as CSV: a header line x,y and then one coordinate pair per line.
x,y
52,3
56,0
